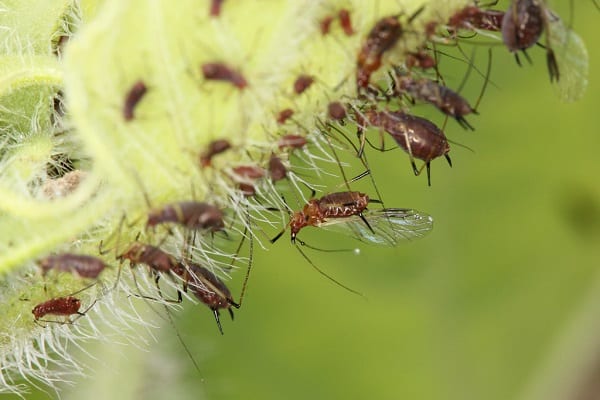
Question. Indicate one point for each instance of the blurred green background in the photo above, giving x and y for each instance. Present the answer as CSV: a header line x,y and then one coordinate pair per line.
x,y
500,301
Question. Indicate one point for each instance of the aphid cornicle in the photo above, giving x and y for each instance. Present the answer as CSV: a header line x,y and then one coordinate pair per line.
x,y
417,136
190,214
132,98
218,71
80,264
210,290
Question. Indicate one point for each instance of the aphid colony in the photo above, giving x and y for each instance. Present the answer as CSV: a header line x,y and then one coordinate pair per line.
x,y
382,103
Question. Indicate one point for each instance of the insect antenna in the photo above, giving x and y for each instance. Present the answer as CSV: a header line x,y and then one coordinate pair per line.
x,y
320,271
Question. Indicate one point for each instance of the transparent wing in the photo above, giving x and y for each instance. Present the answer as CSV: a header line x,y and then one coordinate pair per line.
x,y
571,57
390,226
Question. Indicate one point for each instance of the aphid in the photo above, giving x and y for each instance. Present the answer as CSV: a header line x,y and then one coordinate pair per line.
x,y
472,17
210,290
420,138
82,265
302,83
347,212
444,99
191,214
284,115
132,98
63,306
420,59
345,22
336,111
291,142
152,256
218,71
215,147
245,176
277,169
325,24
215,7
382,37
522,27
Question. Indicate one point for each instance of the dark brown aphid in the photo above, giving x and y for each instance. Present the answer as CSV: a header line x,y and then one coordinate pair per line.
x,y
334,205
221,72
246,176
277,169
215,7
346,22
132,98
522,27
291,142
325,24
420,59
284,115
302,83
191,214
82,265
62,306
210,290
336,111
472,17
444,99
420,138
381,38
215,147
152,256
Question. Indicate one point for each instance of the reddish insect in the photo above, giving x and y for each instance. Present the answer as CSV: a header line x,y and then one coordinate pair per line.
x,y
62,306
284,115
382,37
336,111
215,7
346,22
210,290
444,99
218,71
215,147
277,169
190,214
419,137
325,24
82,265
302,83
246,177
347,212
420,59
472,17
132,98
291,142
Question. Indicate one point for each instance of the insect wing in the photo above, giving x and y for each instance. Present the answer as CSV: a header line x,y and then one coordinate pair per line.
x,y
571,57
390,226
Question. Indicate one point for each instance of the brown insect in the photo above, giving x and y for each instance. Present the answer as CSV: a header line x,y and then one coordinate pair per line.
x,y
346,22
382,37
61,306
218,71
82,265
215,7
210,290
522,27
325,24
246,176
190,214
420,59
277,169
472,17
444,99
291,142
302,83
336,111
284,115
420,138
215,147
132,98
152,256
